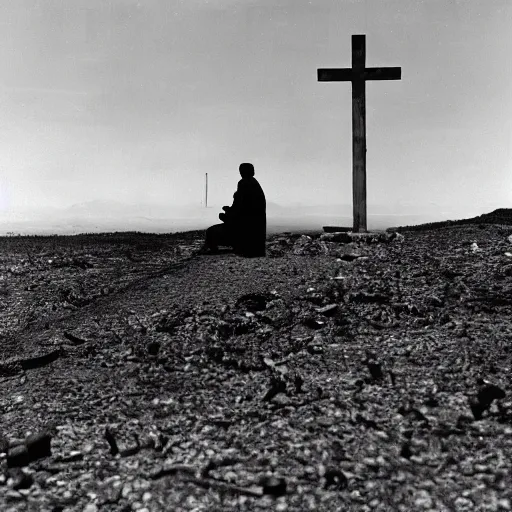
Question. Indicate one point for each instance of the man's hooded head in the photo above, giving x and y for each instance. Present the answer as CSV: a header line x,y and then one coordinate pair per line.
x,y
246,170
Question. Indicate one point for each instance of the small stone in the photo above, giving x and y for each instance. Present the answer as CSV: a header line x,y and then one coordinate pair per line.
x,y
313,323
423,499
338,236
72,456
153,348
275,486
253,302
490,392
127,489
91,507
39,445
463,504
231,476
17,456
12,495
375,369
314,349
88,448
21,480
434,300
335,478
504,503
405,451
328,310
350,256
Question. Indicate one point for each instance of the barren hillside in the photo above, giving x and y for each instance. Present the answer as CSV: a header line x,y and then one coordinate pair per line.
x,y
328,376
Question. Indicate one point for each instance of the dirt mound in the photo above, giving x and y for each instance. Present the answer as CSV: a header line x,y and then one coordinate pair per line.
x,y
501,216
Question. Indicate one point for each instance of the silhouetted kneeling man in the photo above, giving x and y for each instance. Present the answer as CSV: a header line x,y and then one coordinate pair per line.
x,y
244,225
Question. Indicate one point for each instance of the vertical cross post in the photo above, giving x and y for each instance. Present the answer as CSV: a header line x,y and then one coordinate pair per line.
x,y
358,133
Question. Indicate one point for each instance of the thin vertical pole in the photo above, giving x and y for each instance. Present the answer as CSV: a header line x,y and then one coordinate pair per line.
x,y
206,191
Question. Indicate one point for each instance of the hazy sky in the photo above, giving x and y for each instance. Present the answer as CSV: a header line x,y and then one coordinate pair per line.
x,y
136,100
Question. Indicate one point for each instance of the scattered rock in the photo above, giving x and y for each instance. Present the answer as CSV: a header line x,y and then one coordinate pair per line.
x,y
111,440
423,500
369,298
35,446
314,349
339,237
18,456
367,294
170,322
72,456
313,323
349,256
490,392
74,339
274,486
405,451
486,395
20,480
298,382
153,348
277,385
334,477
39,445
306,246
13,495
374,367
477,409
436,301
41,360
328,310
253,302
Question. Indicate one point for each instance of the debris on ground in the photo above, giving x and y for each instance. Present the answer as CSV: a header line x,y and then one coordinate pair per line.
x,y
341,372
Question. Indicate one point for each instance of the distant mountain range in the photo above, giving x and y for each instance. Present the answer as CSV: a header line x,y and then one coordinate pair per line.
x,y
110,215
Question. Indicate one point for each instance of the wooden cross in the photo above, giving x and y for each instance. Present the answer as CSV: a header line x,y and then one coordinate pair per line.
x,y
358,74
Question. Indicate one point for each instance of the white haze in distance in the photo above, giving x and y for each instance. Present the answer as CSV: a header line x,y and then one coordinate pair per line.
x,y
132,102
108,216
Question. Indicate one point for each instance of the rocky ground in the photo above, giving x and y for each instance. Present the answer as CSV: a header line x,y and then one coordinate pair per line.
x,y
332,375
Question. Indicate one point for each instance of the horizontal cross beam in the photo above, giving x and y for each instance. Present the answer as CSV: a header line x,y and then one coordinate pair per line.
x,y
349,75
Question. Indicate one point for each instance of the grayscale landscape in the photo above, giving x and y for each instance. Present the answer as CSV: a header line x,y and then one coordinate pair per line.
x,y
255,255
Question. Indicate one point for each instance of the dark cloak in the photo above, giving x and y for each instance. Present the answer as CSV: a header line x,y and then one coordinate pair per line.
x,y
245,221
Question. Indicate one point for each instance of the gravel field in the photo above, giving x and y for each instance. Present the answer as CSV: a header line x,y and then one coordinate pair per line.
x,y
331,375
